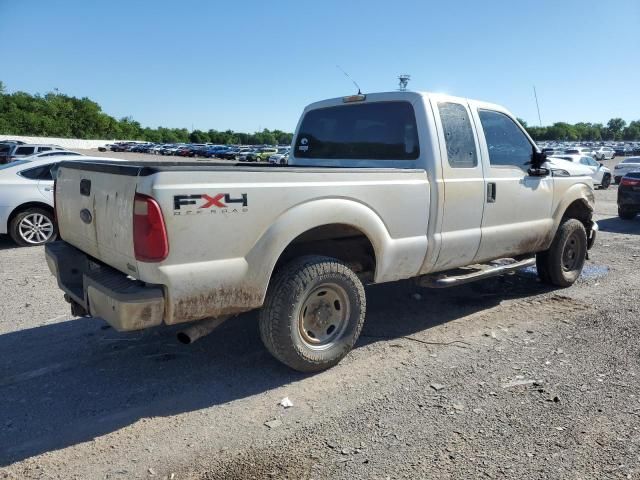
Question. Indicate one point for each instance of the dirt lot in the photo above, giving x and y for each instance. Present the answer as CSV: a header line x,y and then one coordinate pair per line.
x,y
505,378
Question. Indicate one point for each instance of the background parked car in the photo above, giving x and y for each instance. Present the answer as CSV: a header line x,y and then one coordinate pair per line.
x,y
265,152
583,151
279,158
250,155
53,153
604,153
627,165
26,198
18,151
629,196
601,175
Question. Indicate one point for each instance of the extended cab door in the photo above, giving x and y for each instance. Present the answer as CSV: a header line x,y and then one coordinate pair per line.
x,y
517,212
463,179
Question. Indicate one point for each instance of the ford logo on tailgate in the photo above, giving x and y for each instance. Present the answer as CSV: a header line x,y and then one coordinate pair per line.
x,y
85,216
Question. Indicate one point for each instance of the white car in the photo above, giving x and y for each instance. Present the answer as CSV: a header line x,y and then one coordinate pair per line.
x,y
584,151
280,158
53,153
601,175
26,198
631,164
605,153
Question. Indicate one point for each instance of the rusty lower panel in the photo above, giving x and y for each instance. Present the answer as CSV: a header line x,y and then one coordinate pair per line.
x,y
214,303
533,244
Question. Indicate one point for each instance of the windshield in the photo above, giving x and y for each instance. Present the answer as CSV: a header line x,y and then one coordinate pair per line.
x,y
631,160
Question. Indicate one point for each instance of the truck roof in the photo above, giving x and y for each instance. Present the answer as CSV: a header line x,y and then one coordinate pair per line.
x,y
410,96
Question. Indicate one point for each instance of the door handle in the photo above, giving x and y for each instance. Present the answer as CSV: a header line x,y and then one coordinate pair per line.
x,y
47,189
491,192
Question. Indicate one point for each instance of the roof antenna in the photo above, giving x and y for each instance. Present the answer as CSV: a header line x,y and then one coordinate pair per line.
x,y
347,75
403,81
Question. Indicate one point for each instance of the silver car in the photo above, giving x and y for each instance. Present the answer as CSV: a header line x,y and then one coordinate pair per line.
x,y
26,198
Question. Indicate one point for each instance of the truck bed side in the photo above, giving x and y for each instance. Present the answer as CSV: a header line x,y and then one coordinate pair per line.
x,y
228,226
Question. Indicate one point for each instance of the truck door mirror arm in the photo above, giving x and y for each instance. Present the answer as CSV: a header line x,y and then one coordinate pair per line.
x,y
537,159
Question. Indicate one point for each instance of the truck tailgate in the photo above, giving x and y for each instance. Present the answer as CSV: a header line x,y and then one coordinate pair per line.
x,y
95,214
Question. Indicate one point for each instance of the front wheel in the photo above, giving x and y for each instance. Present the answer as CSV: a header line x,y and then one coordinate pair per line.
x,y
606,181
562,264
313,313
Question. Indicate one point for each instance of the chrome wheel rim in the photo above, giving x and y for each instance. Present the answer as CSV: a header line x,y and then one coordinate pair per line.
x,y
36,228
572,254
323,316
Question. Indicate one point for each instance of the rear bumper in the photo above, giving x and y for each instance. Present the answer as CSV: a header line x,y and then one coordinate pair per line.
x,y
105,292
628,198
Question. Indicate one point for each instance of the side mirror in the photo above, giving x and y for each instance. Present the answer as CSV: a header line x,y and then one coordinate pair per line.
x,y
538,172
537,159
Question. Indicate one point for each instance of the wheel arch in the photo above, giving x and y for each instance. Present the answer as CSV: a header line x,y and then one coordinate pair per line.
x,y
26,206
316,221
578,202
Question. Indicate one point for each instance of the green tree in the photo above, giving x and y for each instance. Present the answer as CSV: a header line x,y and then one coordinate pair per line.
x,y
616,126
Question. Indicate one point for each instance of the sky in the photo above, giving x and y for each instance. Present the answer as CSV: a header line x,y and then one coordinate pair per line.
x,y
249,65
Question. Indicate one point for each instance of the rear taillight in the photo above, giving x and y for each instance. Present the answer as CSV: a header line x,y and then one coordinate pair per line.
x,y
149,232
630,182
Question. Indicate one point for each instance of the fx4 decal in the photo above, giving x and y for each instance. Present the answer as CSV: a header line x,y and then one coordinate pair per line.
x,y
200,203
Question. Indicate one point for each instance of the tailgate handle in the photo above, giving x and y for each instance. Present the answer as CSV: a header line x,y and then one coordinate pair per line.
x,y
85,187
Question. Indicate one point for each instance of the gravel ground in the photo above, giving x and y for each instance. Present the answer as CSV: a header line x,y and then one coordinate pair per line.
x,y
503,378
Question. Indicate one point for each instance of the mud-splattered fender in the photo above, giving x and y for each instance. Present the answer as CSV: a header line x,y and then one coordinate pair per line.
x,y
565,196
396,258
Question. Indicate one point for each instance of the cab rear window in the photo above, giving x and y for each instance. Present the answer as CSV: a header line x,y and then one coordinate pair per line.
x,y
372,131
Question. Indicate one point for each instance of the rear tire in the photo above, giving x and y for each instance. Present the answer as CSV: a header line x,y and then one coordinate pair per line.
x,y
32,227
626,214
562,264
313,313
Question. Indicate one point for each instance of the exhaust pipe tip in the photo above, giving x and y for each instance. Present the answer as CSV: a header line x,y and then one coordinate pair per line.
x,y
199,330
184,338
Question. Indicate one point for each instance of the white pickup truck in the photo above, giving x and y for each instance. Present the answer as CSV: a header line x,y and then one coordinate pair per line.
x,y
379,187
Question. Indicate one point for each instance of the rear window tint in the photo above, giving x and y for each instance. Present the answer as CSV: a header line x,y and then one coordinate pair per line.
x,y
375,131
633,174
632,160
38,173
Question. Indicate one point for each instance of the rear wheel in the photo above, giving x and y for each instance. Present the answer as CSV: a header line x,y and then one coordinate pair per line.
x,y
562,264
313,313
33,226
626,214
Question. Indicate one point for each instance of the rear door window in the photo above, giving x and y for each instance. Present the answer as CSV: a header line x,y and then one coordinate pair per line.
x,y
372,131
458,135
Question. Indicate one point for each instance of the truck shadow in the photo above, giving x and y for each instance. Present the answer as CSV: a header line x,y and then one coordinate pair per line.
x,y
67,383
618,225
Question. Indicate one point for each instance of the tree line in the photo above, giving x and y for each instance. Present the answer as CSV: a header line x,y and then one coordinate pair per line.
x,y
615,130
58,115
